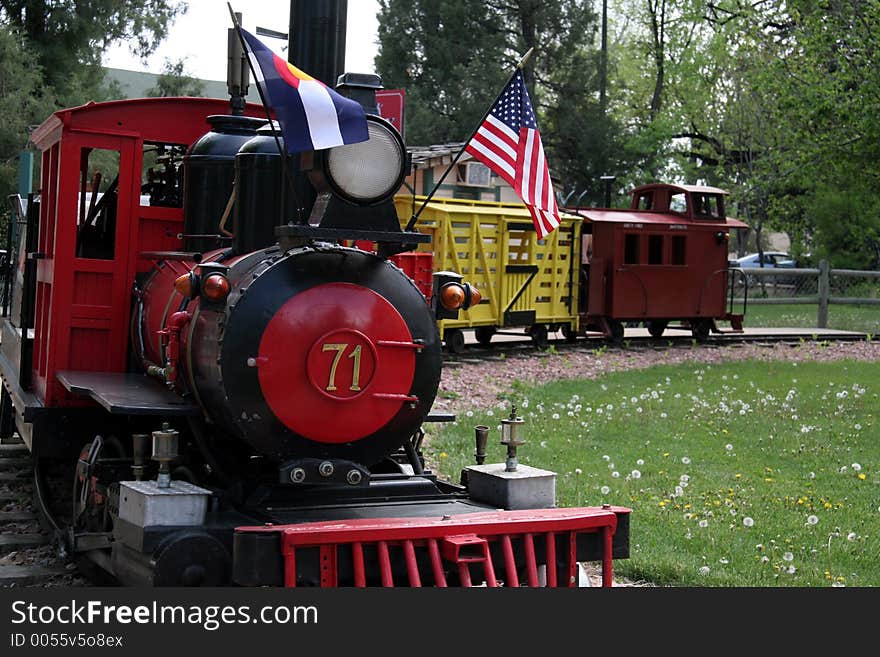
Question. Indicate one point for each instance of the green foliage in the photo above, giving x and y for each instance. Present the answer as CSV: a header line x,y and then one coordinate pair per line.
x,y
846,226
174,81
454,56
50,53
68,37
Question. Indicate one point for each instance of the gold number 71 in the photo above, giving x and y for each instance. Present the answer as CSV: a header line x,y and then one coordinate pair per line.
x,y
355,355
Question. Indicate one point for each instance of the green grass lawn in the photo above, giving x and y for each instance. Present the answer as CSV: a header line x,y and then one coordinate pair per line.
x,y
750,474
862,318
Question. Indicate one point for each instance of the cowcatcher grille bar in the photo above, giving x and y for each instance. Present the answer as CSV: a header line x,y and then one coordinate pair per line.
x,y
433,548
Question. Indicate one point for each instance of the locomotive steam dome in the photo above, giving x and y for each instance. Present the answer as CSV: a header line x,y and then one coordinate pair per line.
x,y
209,169
324,351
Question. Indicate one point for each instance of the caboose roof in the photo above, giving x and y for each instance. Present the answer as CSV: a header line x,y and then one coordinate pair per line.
x,y
637,217
703,189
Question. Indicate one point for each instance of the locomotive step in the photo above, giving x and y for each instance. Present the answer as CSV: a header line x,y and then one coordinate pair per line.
x,y
10,542
27,575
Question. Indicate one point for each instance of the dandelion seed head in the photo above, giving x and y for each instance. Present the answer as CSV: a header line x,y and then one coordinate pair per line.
x,y
704,523
635,474
615,474
705,570
788,556
748,522
728,447
812,520
686,460
604,490
856,467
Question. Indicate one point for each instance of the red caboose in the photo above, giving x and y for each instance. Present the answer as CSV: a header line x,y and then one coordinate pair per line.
x,y
663,260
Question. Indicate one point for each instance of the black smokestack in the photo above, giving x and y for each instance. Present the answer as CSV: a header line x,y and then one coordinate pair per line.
x,y
317,38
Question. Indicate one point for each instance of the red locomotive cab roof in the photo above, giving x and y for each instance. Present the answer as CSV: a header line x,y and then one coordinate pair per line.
x,y
178,120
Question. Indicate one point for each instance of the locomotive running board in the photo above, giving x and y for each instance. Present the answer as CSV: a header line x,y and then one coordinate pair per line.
x,y
542,546
126,394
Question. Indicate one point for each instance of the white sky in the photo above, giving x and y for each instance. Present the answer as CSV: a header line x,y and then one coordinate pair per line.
x,y
199,36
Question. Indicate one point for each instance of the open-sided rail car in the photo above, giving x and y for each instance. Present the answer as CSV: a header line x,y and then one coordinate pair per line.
x,y
525,282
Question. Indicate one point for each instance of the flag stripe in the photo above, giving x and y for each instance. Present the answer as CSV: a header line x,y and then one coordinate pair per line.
x,y
483,153
320,115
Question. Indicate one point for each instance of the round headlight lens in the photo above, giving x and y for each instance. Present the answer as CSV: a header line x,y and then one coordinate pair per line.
x,y
371,170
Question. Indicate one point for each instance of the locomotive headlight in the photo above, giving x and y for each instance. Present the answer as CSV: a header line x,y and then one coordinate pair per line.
x,y
370,171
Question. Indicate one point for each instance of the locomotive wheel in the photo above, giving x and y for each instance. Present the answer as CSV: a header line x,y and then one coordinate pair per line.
x,y
700,329
616,329
538,333
656,327
455,341
484,334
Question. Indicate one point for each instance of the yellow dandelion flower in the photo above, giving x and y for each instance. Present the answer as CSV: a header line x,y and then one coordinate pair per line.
x,y
862,476
738,476
768,479
665,454
724,431
687,506
443,455
827,505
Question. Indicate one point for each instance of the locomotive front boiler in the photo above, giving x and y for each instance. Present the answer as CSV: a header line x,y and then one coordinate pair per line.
x,y
321,352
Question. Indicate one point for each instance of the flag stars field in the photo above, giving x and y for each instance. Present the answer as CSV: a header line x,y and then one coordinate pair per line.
x,y
714,464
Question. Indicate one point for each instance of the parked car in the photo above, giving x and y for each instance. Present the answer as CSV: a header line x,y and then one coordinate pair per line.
x,y
772,260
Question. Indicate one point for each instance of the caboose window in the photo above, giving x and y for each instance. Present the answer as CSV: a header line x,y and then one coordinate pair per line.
x,y
678,249
97,205
646,201
678,203
655,249
631,249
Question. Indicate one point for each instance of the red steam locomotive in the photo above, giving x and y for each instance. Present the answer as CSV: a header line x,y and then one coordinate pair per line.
x,y
236,397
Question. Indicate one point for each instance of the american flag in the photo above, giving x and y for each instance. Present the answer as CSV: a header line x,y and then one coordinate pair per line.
x,y
509,143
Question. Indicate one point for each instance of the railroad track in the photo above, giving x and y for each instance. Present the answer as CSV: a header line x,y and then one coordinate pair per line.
x,y
515,343
27,554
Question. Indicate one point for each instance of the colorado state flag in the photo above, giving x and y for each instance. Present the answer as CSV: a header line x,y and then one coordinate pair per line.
x,y
312,116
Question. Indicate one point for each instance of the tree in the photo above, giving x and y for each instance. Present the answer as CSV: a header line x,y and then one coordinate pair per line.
x,y
68,37
454,56
174,81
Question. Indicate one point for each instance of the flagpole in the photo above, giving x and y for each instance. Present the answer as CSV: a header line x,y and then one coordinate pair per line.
x,y
282,149
415,217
